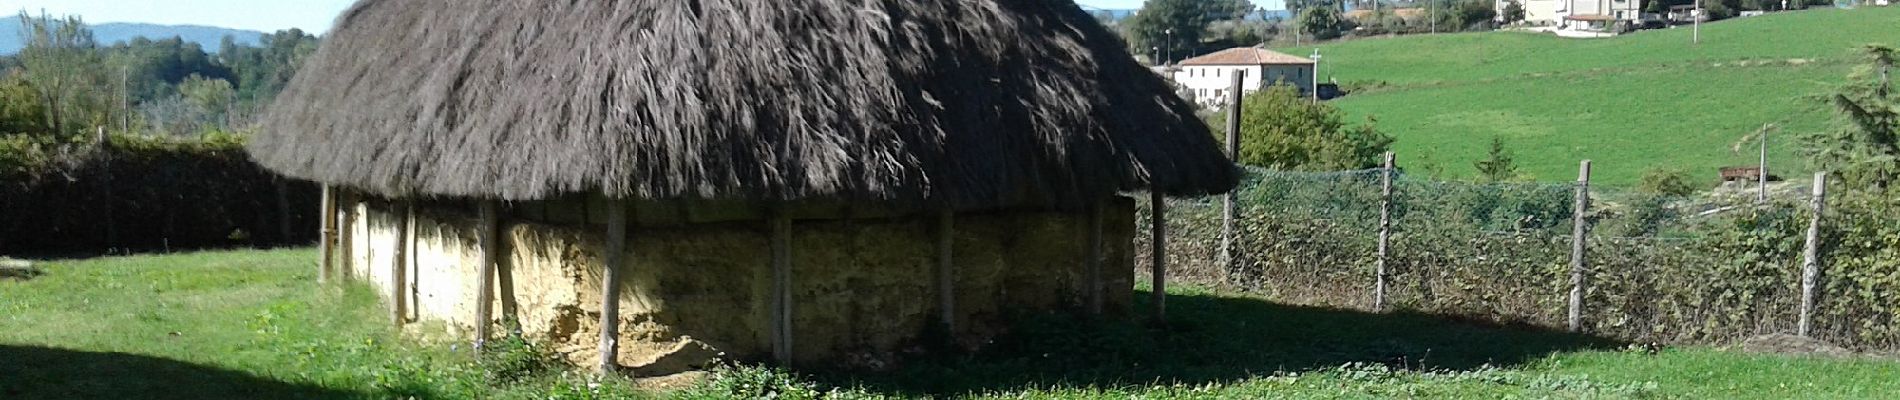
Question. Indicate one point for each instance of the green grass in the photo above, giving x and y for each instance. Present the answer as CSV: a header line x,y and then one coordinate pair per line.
x,y
251,324
1639,101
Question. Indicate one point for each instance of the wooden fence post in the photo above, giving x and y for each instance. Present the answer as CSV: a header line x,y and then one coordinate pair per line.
x,y
782,287
1811,255
1230,211
1158,249
946,269
326,236
485,284
1385,232
1579,227
610,285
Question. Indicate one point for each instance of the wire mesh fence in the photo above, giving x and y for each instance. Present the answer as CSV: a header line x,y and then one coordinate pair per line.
x,y
1705,268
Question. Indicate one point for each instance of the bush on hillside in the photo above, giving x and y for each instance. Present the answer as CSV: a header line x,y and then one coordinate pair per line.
x,y
1668,182
1280,129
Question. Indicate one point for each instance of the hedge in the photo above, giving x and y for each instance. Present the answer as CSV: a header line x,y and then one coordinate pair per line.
x,y
137,193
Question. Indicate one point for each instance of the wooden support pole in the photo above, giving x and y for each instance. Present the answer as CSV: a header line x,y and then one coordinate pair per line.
x,y
399,266
782,288
348,237
485,283
1579,227
1092,266
946,269
1158,250
1230,212
326,237
1380,273
610,285
1811,255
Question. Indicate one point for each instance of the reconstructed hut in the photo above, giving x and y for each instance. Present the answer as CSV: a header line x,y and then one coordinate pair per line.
x,y
649,183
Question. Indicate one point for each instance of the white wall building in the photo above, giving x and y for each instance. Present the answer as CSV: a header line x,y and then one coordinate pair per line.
x,y
1210,76
1577,14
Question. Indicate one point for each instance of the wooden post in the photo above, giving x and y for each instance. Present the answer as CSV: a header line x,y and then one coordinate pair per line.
x,y
400,265
946,269
1385,232
1093,264
1579,227
347,237
1230,212
782,288
1158,249
326,241
1762,174
485,286
610,285
1811,255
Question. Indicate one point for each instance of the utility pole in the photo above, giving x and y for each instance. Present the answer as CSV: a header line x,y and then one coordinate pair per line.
x,y
1316,58
1762,172
1696,18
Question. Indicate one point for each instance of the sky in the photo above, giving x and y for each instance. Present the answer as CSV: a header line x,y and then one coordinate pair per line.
x,y
1136,4
272,15
259,15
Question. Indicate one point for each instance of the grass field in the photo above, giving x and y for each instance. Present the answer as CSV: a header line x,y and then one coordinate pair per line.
x,y
251,324
1651,99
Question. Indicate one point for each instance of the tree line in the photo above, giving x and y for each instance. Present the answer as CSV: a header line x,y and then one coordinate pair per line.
x,y
65,83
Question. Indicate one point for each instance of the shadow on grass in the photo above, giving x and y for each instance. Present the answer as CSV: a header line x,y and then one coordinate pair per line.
x,y
1216,339
44,373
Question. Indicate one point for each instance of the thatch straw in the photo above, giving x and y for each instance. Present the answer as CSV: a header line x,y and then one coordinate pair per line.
x,y
972,103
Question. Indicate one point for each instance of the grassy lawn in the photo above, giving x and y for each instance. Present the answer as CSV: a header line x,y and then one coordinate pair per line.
x,y
252,324
1644,100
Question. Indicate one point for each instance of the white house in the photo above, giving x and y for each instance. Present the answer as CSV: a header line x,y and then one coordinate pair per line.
x,y
1590,15
1210,76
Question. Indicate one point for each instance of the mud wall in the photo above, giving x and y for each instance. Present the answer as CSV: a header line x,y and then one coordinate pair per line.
x,y
863,286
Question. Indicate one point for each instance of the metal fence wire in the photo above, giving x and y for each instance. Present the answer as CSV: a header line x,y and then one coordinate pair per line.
x,y
1705,268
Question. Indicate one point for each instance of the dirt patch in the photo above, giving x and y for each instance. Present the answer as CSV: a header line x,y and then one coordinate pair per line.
x,y
1794,345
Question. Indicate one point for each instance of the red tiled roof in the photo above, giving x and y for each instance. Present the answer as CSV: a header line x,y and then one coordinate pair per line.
x,y
1247,56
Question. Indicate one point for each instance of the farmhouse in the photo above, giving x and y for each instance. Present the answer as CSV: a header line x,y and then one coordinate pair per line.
x,y
1579,15
651,184
1210,76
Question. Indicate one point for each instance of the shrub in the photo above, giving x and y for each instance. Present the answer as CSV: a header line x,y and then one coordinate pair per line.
x,y
1668,182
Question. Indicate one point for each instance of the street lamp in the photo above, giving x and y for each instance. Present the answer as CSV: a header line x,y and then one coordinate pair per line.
x,y
1316,58
1170,45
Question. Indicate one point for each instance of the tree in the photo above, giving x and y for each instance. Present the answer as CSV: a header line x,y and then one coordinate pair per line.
x,y
1864,149
1280,129
1498,165
62,62
21,109
1321,22
1172,26
1513,12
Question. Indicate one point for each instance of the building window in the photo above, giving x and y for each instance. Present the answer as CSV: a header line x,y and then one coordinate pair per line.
x,y
1217,73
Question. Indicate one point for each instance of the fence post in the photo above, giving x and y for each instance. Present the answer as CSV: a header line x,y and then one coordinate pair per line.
x,y
1579,227
1229,211
1811,264
1385,231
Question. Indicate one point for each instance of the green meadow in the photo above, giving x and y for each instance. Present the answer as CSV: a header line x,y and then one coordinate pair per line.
x,y
254,324
1647,100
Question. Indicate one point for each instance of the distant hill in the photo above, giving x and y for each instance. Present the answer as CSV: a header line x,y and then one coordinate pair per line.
x,y
106,34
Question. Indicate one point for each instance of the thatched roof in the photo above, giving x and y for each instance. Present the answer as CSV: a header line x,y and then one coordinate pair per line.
x,y
976,103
